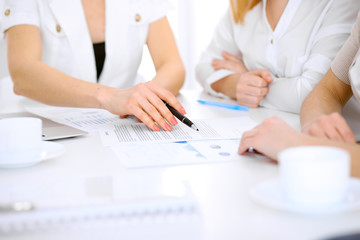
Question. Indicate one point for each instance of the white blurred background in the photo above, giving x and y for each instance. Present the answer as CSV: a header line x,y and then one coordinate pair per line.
x,y
193,23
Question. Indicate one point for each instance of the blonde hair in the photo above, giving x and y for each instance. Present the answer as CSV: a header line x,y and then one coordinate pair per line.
x,y
239,8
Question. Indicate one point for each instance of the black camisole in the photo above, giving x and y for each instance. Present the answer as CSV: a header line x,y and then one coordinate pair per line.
x,y
99,51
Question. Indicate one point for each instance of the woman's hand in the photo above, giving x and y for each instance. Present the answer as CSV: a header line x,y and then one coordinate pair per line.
x,y
144,101
247,87
332,126
252,87
270,137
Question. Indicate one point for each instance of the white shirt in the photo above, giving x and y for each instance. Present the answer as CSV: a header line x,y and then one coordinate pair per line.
x,y
66,42
298,53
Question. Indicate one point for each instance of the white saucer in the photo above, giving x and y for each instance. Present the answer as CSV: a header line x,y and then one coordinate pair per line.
x,y
47,150
269,194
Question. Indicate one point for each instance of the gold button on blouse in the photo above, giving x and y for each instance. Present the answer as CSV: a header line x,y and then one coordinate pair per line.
x,y
58,28
137,17
277,76
272,41
7,12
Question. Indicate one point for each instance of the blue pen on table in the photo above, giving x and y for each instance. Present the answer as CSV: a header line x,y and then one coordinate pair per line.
x,y
224,105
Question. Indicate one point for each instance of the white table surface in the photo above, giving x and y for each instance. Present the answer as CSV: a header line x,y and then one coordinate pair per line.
x,y
222,190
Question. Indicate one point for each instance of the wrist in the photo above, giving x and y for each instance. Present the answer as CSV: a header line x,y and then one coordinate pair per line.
x,y
104,95
226,85
306,125
304,128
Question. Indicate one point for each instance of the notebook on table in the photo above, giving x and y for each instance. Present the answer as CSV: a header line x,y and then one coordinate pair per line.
x,y
50,130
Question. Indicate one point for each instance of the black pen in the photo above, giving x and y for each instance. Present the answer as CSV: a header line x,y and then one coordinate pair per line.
x,y
181,117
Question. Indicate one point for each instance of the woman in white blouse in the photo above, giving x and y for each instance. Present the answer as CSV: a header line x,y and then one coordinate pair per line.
x,y
321,120
87,53
272,53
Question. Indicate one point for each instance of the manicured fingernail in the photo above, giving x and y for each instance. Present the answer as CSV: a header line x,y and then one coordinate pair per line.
x,y
168,127
156,128
173,121
182,110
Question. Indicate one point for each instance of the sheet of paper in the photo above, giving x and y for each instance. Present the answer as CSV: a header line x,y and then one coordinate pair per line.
x,y
171,154
220,128
86,119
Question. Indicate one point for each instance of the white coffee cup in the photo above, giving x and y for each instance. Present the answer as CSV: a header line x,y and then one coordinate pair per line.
x,y
20,139
314,175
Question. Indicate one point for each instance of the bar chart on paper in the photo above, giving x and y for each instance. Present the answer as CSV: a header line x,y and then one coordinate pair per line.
x,y
172,154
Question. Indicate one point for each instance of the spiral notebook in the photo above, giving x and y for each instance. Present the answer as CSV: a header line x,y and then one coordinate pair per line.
x,y
40,205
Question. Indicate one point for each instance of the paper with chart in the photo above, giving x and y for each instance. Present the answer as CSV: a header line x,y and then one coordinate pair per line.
x,y
172,154
219,128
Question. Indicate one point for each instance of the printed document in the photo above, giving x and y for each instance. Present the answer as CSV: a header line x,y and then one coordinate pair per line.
x,y
219,128
86,119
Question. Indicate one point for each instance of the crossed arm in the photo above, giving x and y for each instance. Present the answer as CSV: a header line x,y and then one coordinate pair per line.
x,y
247,87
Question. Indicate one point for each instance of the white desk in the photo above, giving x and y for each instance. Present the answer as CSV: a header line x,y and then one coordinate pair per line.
x,y
222,190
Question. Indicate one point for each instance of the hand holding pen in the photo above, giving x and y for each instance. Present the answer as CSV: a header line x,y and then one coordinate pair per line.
x,y
181,117
144,101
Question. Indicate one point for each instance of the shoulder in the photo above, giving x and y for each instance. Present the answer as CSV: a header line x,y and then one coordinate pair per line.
x,y
24,4
18,12
255,14
150,5
151,10
342,11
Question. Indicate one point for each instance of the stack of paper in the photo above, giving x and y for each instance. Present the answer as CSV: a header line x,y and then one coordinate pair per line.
x,y
136,146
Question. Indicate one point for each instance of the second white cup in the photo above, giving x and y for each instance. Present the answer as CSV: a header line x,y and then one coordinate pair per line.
x,y
314,175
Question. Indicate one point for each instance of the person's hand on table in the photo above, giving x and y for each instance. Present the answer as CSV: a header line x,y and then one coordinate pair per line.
x,y
251,87
270,137
144,101
332,126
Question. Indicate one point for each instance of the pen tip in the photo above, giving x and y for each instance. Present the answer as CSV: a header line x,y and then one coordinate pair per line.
x,y
194,127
